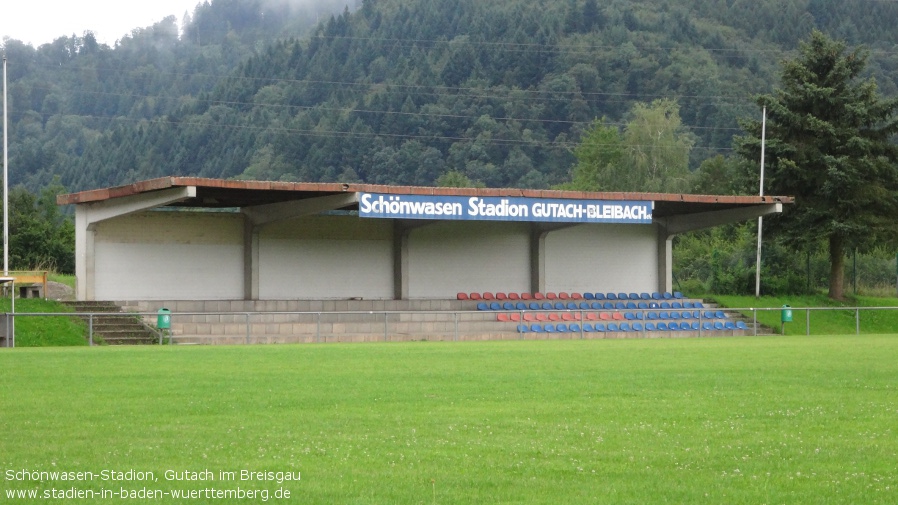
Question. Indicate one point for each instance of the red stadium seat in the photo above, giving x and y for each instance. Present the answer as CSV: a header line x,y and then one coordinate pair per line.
x,y
462,296
529,316
554,317
475,296
604,316
501,296
551,296
526,296
513,296
576,296
563,296
538,296
567,316
488,296
515,317
503,317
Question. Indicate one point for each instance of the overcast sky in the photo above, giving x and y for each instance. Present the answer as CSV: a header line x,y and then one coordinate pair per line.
x,y
37,22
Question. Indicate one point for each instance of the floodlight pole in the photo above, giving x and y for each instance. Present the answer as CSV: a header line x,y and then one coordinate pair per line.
x,y
760,218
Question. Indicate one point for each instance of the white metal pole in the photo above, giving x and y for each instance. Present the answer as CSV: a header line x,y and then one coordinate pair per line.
x,y
760,218
5,180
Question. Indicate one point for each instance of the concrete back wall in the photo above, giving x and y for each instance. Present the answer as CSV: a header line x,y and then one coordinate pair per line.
x,y
606,258
322,257
200,256
164,255
450,257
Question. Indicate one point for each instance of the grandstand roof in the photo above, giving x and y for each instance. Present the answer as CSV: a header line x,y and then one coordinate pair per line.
x,y
219,193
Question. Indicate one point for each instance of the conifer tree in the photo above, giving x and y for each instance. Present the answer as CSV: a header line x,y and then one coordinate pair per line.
x,y
828,146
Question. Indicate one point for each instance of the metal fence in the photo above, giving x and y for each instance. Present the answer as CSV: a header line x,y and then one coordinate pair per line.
x,y
398,326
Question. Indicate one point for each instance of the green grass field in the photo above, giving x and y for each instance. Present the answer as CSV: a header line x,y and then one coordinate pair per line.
x,y
733,420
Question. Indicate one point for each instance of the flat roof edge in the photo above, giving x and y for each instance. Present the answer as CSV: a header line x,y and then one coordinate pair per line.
x,y
161,183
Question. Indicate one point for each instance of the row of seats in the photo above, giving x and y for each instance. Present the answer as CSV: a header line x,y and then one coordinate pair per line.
x,y
571,296
584,305
611,316
632,327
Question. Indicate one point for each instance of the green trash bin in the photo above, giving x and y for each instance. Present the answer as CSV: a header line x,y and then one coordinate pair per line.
x,y
163,319
786,314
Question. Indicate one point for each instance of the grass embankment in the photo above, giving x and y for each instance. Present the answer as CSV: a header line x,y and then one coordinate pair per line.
x,y
45,331
822,322
731,420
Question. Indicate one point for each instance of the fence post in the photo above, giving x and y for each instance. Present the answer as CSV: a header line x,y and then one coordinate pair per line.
x,y
857,320
247,327
318,327
386,315
807,322
90,329
754,316
455,316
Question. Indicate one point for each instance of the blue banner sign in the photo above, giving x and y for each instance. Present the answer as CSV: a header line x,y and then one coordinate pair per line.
x,y
504,208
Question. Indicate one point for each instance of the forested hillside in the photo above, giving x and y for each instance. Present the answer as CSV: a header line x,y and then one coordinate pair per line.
x,y
405,91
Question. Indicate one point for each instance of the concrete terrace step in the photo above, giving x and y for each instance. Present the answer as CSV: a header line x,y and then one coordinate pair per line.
x,y
119,329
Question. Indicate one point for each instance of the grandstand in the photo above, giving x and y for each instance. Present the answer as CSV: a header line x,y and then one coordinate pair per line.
x,y
325,255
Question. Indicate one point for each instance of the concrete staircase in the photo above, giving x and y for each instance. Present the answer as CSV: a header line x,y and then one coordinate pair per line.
x,y
114,326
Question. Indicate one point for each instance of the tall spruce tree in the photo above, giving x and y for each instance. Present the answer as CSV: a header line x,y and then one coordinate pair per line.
x,y
829,146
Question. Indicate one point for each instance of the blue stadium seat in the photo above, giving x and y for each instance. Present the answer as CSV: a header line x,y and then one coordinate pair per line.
x,y
608,306
656,296
707,326
664,315
665,305
482,306
561,328
595,305
637,326
740,325
600,327
571,306
662,326
698,305
625,327
612,327
629,316
550,328
676,305
729,325
495,306
574,328
559,306
620,305
611,296
508,306
588,328
642,305
523,328
600,296
650,327
632,305
686,314
537,328
708,314
634,296
584,305
720,314
623,296
718,325
687,305
589,296
534,305
645,296
546,306
674,315
694,325
685,326
651,316
520,306
678,295
667,295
